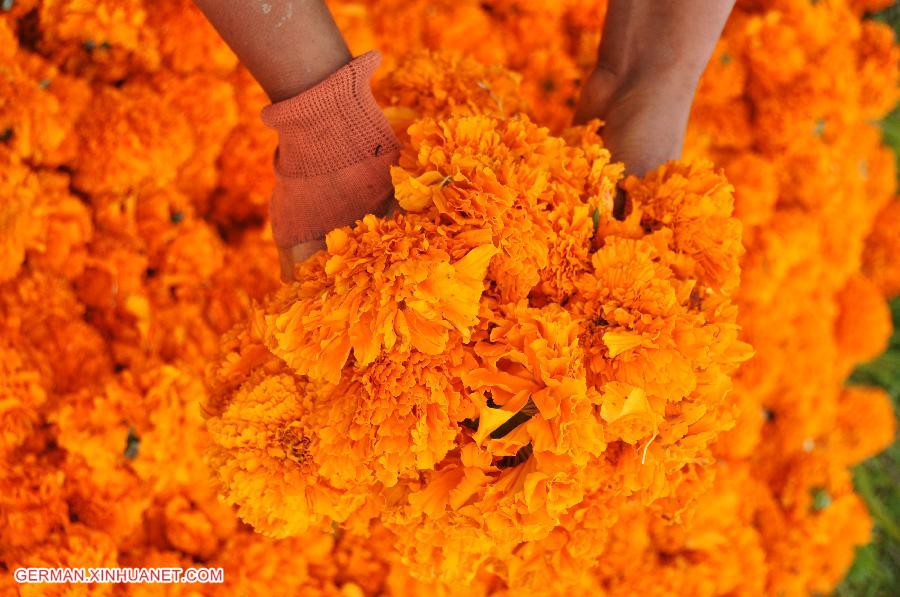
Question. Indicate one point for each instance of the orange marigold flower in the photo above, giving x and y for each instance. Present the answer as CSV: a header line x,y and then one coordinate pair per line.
x,y
130,140
193,522
696,204
41,309
481,172
74,545
63,247
862,6
19,226
178,20
211,119
32,502
879,76
292,566
107,39
70,95
21,396
755,190
406,418
246,177
443,84
881,257
812,525
863,324
436,24
866,423
32,121
264,435
385,286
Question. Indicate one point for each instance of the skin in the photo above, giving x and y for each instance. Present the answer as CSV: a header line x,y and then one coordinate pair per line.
x,y
287,45
651,57
268,36
649,64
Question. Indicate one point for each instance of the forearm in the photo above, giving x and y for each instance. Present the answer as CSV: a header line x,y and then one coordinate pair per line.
x,y
335,146
665,38
287,45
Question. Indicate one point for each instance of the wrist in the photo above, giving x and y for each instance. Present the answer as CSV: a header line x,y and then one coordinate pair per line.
x,y
288,75
670,42
335,151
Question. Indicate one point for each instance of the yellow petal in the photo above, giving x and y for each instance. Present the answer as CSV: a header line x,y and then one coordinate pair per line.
x,y
490,419
474,265
619,342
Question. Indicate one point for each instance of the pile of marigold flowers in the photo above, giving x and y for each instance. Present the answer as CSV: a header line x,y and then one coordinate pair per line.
x,y
517,384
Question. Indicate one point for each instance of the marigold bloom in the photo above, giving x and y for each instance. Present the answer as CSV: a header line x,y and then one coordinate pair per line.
x,y
863,325
246,177
426,289
878,71
19,228
129,140
442,84
211,119
880,257
41,309
481,173
69,229
107,40
32,503
22,396
866,423
263,438
177,20
32,122
74,545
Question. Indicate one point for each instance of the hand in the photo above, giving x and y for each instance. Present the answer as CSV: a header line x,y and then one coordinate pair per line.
x,y
645,115
299,253
288,258
651,56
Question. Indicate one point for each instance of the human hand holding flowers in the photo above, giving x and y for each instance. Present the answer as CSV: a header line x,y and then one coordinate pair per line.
x,y
335,146
649,64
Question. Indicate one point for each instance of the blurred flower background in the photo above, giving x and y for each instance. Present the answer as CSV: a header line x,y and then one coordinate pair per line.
x,y
137,275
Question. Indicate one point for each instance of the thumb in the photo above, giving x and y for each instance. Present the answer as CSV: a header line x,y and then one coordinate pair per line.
x,y
288,257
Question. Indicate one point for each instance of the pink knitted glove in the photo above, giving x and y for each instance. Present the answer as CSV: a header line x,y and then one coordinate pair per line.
x,y
335,149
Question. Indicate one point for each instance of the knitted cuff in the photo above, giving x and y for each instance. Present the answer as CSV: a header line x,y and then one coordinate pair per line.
x,y
335,149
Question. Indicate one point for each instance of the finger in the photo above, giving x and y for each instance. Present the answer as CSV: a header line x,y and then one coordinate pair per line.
x,y
290,256
393,208
286,264
620,205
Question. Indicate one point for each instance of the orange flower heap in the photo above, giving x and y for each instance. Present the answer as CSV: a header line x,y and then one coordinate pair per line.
x,y
429,369
399,339
508,176
522,383
22,396
447,84
521,459
382,289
